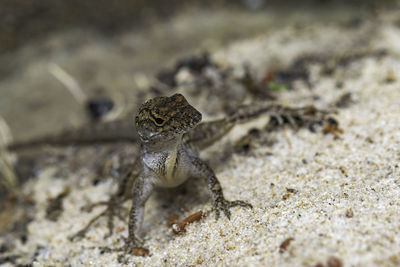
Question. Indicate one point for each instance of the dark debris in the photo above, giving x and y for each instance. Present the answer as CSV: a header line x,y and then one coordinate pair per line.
x,y
344,101
292,190
331,126
9,259
334,262
285,244
55,205
99,107
257,88
195,64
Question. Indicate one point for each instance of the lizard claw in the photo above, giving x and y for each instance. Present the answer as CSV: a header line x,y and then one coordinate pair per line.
x,y
131,243
135,247
224,205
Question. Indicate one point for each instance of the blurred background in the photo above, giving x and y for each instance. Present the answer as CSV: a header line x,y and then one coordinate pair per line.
x,y
115,47
66,63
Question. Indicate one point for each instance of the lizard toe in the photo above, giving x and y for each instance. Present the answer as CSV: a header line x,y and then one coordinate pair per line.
x,y
224,205
241,203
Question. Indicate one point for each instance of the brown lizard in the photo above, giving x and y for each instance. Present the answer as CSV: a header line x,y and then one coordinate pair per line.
x,y
170,135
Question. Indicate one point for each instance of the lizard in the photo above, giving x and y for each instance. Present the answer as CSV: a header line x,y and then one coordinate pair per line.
x,y
170,136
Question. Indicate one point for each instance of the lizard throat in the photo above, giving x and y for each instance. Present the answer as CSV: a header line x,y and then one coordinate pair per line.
x,y
164,159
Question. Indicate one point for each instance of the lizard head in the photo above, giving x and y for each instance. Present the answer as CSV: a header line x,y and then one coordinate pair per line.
x,y
166,117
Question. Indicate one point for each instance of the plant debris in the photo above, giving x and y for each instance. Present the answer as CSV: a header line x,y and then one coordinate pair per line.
x,y
285,196
284,245
344,101
292,190
195,64
55,205
332,126
390,77
349,213
259,89
180,226
140,252
334,262
172,219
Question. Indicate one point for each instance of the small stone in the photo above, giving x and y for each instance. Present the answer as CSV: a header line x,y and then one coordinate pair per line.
x,y
349,213
334,262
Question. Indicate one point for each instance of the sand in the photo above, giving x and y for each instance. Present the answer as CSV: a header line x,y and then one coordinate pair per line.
x,y
344,207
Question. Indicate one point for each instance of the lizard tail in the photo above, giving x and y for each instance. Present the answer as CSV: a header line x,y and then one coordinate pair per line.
x,y
114,131
246,113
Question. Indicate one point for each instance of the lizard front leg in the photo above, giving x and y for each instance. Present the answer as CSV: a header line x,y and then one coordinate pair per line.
x,y
142,189
201,169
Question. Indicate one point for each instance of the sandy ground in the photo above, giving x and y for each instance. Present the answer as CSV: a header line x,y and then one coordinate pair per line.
x,y
344,207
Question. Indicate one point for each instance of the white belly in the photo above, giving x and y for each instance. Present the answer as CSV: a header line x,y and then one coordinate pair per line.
x,y
174,175
168,172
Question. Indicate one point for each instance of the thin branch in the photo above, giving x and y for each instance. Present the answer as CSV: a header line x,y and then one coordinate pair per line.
x,y
69,82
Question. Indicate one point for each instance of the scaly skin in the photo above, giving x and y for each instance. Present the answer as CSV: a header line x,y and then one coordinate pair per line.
x,y
167,161
170,135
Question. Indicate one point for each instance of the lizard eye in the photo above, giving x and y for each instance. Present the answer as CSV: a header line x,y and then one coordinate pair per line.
x,y
159,121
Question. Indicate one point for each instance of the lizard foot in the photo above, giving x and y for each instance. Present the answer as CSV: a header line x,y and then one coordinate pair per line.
x,y
113,209
134,246
221,204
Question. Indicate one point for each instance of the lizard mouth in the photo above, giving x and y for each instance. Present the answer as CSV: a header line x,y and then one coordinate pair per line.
x,y
158,137
147,135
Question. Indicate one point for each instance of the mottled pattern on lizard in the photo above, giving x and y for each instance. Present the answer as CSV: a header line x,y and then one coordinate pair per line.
x,y
166,160
170,135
